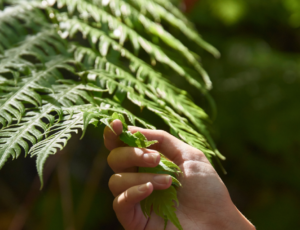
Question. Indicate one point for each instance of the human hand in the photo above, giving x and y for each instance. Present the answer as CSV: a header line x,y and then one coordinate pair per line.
x,y
204,201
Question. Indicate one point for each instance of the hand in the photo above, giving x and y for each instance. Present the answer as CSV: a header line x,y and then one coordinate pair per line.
x,y
204,201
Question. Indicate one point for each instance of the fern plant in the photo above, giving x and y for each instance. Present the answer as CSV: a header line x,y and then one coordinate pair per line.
x,y
65,64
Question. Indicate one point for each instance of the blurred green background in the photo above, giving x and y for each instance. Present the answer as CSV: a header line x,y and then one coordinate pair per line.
x,y
256,88
257,92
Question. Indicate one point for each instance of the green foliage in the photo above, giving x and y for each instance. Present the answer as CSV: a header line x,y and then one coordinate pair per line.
x,y
256,85
67,64
136,140
162,202
15,21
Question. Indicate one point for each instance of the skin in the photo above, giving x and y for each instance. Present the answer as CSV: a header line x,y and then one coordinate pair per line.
x,y
205,203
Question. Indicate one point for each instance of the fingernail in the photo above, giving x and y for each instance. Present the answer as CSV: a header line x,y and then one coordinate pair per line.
x,y
162,179
111,124
111,128
144,187
107,129
151,157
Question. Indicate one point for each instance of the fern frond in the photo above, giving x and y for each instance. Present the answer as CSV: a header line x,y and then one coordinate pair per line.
x,y
72,93
15,21
3,80
122,32
41,45
110,106
12,102
72,26
178,124
148,80
75,119
49,146
41,107
135,18
159,13
150,83
169,6
16,66
19,136
183,130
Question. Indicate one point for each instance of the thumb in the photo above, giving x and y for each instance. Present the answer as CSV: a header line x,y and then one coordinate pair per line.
x,y
128,209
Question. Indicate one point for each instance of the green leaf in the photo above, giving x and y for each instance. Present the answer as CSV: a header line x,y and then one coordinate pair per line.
x,y
162,203
88,118
57,141
121,118
73,25
175,18
17,136
136,140
16,20
157,88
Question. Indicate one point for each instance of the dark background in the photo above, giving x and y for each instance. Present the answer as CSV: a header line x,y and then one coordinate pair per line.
x,y
257,91
256,87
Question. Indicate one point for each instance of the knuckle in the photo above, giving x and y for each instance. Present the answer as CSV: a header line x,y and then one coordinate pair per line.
x,y
106,144
132,155
111,183
138,152
201,153
113,151
115,204
162,132
195,150
126,198
110,157
198,154
120,200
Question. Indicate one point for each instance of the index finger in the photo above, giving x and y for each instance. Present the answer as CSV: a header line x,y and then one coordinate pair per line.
x,y
167,144
173,148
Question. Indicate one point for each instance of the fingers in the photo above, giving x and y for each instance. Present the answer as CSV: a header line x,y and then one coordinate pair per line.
x,y
111,139
123,181
167,144
127,207
173,148
127,159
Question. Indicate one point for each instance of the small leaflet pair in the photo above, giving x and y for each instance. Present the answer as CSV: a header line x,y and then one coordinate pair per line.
x,y
160,201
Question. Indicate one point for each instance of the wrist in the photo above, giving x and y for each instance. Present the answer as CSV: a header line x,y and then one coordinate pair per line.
x,y
237,220
231,219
